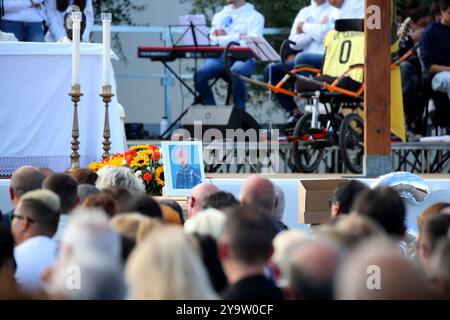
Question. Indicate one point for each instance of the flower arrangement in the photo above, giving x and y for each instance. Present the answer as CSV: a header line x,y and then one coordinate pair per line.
x,y
144,160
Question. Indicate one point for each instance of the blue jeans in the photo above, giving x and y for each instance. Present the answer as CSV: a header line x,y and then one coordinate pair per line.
x,y
311,59
24,31
215,68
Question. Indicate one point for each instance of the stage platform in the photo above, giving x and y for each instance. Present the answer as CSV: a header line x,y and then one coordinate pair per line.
x,y
414,157
290,183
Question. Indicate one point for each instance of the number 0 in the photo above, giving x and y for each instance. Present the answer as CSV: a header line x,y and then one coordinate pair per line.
x,y
346,48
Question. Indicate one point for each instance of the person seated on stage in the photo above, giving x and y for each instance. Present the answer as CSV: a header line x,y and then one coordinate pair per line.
x,y
237,19
411,72
435,12
68,28
435,50
348,9
420,19
308,31
56,11
24,19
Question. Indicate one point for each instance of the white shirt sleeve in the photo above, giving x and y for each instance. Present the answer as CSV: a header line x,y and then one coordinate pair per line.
x,y
16,5
89,13
317,31
301,40
255,27
54,21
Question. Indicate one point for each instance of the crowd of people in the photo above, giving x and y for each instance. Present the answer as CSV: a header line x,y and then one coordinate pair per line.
x,y
85,235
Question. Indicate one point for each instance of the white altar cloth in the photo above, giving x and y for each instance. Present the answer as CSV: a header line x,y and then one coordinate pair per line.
x,y
36,113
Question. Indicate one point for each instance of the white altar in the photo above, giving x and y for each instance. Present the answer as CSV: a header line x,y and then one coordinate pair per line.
x,y
36,113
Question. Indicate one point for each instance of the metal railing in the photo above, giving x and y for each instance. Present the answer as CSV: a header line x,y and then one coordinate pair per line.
x,y
166,36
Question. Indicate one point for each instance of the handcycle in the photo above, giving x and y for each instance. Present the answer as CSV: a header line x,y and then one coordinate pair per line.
x,y
335,100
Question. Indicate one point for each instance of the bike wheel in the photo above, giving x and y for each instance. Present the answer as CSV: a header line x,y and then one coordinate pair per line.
x,y
351,142
307,159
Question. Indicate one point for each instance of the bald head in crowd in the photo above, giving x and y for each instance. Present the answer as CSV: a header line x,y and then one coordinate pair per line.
x,y
199,193
378,270
24,179
312,271
258,191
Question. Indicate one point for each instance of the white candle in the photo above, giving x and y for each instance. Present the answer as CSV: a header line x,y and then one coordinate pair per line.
x,y
76,21
106,19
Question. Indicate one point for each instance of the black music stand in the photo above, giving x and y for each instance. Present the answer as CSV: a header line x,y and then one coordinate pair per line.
x,y
194,30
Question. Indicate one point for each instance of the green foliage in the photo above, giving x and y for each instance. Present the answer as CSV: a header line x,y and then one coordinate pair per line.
x,y
122,11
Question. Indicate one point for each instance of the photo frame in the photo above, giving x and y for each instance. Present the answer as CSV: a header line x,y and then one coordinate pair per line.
x,y
183,166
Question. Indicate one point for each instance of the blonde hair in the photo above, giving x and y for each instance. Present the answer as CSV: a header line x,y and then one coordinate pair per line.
x,y
284,244
210,222
430,211
170,216
165,266
119,176
134,226
47,197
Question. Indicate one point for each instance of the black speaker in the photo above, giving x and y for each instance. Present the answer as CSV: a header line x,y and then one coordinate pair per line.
x,y
218,117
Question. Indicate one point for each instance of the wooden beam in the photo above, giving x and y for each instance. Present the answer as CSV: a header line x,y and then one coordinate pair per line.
x,y
378,84
377,97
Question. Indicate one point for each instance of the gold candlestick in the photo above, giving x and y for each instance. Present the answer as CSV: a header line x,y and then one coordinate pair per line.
x,y
107,97
75,94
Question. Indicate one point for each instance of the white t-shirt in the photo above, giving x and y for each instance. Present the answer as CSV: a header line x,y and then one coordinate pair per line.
x,y
21,11
33,256
317,21
242,21
351,9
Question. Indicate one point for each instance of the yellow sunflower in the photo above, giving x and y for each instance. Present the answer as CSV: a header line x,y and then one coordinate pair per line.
x,y
141,160
146,152
159,175
116,161
94,166
139,147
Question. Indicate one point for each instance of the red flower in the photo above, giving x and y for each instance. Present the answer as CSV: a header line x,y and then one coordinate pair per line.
x,y
131,152
129,156
156,155
148,177
153,147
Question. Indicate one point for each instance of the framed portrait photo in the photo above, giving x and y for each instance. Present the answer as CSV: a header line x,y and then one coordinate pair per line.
x,y
183,166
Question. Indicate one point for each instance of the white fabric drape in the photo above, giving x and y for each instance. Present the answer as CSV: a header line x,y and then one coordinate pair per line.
x,y
36,112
